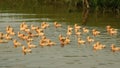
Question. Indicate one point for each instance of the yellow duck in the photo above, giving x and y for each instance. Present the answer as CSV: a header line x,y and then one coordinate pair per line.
x,y
26,50
85,30
16,43
33,27
113,31
57,24
3,41
98,46
50,43
80,41
1,35
30,45
76,26
7,37
114,48
44,25
89,39
69,28
95,32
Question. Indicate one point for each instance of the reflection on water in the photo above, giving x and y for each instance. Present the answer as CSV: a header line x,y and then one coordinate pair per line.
x,y
85,16
52,57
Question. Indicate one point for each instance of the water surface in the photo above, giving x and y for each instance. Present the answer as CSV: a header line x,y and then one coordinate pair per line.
x,y
57,57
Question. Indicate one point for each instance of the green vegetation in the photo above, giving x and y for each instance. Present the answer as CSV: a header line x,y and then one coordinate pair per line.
x,y
104,5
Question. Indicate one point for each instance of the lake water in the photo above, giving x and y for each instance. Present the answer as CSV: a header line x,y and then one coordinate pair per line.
x,y
71,56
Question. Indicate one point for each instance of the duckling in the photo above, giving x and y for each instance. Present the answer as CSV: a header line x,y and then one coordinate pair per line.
x,y
38,30
89,39
57,24
30,45
29,39
67,40
26,50
12,32
50,43
43,43
78,33
113,31
62,42
1,35
108,27
27,30
114,48
41,33
85,30
95,32
69,28
80,41
98,46
16,43
23,26
20,35
33,27
44,25
25,37
76,26
7,37
69,33
61,37
3,41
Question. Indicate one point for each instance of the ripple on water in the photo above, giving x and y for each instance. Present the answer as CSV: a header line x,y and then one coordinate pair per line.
x,y
71,56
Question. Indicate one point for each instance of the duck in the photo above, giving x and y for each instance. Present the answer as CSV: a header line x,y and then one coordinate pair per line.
x,y
80,41
33,27
67,40
44,25
23,26
61,37
27,30
63,42
95,32
108,27
114,48
41,33
26,50
43,43
69,28
1,35
38,29
16,43
11,32
78,33
85,30
50,43
69,33
56,24
3,41
89,39
98,46
113,31
7,37
20,35
30,34
29,39
77,26
30,45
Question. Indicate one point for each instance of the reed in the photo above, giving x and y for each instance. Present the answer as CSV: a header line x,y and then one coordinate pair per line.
x,y
72,4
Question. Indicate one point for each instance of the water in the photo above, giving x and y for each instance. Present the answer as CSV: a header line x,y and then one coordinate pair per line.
x,y
57,57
